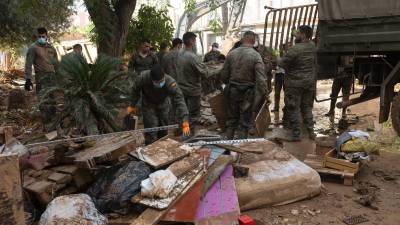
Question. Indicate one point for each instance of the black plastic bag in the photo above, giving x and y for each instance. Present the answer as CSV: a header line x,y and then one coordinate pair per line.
x,y
113,190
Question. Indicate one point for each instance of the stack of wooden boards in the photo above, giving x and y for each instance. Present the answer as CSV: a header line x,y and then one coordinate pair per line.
x,y
330,164
69,168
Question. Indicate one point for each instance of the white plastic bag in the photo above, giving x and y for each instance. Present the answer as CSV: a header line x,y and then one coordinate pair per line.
x,y
72,210
159,184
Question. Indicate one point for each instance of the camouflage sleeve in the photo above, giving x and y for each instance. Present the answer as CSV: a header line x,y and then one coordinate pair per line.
x,y
131,65
137,90
179,102
155,59
261,77
54,60
30,57
201,68
225,72
290,57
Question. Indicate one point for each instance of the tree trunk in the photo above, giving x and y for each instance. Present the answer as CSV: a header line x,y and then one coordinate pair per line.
x,y
225,19
112,23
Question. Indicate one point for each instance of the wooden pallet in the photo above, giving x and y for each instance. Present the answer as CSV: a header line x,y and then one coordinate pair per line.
x,y
317,163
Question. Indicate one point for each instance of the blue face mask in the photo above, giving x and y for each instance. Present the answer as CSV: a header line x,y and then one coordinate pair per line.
x,y
42,40
159,85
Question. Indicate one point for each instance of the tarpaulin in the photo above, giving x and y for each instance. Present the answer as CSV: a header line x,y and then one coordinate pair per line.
x,y
352,9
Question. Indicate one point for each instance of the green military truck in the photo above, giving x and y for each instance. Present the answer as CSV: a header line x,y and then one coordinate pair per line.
x,y
361,34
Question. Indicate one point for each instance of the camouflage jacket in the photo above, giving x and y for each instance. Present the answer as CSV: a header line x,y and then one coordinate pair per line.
x,y
190,72
244,66
214,56
42,57
299,65
159,96
169,62
139,64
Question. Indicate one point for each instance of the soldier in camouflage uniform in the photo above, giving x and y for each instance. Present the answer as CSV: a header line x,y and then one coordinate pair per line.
x,y
76,53
142,60
43,57
244,73
214,55
171,58
159,90
189,74
300,81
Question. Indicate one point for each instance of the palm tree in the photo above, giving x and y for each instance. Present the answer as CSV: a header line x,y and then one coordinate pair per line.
x,y
90,93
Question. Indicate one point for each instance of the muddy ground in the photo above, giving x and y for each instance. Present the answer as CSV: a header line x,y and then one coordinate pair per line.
x,y
336,202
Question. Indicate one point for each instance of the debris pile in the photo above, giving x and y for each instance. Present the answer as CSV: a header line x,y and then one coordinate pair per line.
x,y
117,177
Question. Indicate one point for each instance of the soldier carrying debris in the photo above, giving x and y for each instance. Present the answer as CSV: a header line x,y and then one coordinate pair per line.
x,y
300,82
190,72
244,74
158,90
43,56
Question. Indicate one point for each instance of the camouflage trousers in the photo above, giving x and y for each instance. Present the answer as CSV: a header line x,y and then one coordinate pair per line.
x,y
299,104
193,106
155,116
240,110
47,107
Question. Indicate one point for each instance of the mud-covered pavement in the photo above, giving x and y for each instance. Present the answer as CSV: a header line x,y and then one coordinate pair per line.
x,y
337,202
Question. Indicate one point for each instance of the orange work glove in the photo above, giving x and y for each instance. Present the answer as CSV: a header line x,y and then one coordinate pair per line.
x,y
185,129
131,110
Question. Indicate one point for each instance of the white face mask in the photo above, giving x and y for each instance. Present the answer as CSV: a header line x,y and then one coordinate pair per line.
x,y
215,49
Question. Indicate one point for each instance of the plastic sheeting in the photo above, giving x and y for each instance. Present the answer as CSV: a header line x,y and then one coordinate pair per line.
x,y
114,188
73,210
276,176
351,9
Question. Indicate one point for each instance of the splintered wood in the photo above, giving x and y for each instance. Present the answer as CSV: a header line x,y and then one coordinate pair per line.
x,y
11,202
161,153
263,119
107,150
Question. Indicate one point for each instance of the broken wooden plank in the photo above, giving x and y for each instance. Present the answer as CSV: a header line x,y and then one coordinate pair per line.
x,y
42,190
161,153
220,205
185,209
182,166
215,170
11,201
6,134
60,178
238,149
263,119
217,105
107,150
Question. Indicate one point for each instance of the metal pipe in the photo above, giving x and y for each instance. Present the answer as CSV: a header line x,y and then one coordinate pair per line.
x,y
272,29
288,34
328,99
266,25
315,17
306,15
277,28
300,16
283,29
294,24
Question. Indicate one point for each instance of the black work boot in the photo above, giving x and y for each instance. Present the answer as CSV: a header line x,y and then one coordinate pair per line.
x,y
311,134
296,135
229,133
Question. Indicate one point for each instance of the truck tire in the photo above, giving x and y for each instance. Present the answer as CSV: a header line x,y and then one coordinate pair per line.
x,y
395,114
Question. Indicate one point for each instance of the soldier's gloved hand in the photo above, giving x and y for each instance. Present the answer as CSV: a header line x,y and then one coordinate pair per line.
x,y
28,85
131,110
185,128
